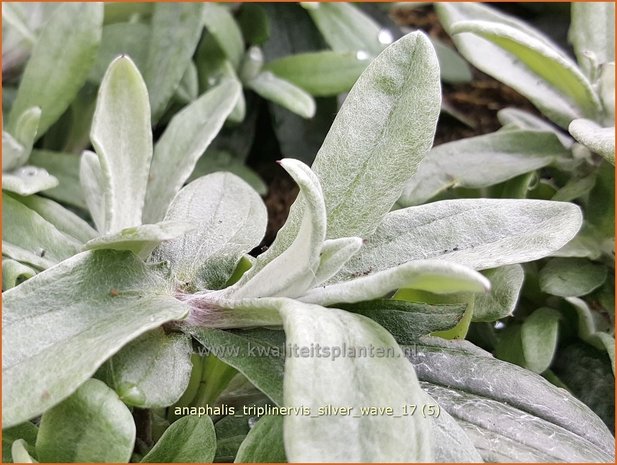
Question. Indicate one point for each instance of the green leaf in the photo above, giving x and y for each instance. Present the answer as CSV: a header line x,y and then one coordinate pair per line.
x,y
221,160
453,68
500,302
174,35
479,233
189,85
91,182
522,119
25,134
14,273
539,338
349,382
124,298
541,72
65,168
592,34
334,254
510,413
141,240
152,371
606,89
481,161
365,161
92,425
408,321
28,230
20,452
264,442
323,73
288,267
122,138
188,440
346,28
230,432
596,138
131,38
434,276
184,141
221,24
28,180
26,431
13,153
571,277
64,220
60,62
254,24
258,355
230,220
283,93
575,188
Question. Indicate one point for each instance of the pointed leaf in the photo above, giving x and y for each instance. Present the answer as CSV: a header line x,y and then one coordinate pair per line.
x,y
188,440
284,93
334,254
264,442
479,233
28,230
140,240
481,161
370,153
184,141
230,220
175,32
506,284
571,277
355,382
596,138
28,180
288,268
122,138
92,425
60,62
125,298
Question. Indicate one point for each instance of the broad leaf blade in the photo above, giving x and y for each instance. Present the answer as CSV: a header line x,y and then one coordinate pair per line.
x,y
264,442
353,382
184,141
122,138
370,152
539,338
596,138
283,93
592,34
500,302
187,440
60,62
92,425
480,233
102,298
571,277
28,180
230,220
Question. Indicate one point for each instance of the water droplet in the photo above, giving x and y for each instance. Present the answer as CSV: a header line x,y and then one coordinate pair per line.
x,y
499,325
362,55
252,421
385,37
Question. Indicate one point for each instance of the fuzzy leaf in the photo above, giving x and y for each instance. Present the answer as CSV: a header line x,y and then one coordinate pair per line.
x,y
571,277
506,284
13,153
592,34
349,382
221,24
184,141
596,138
288,268
122,138
92,425
452,67
323,73
283,93
29,231
264,442
93,189
25,133
481,161
544,74
479,233
539,338
522,119
370,153
188,440
174,34
230,220
26,432
14,272
124,298
28,180
152,371
428,275
334,254
60,62
65,168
